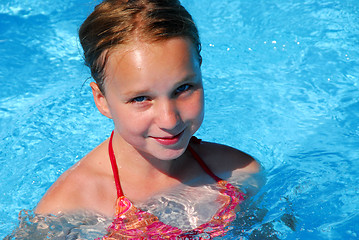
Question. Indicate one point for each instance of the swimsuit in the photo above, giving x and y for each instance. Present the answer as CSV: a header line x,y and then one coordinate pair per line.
x,y
133,223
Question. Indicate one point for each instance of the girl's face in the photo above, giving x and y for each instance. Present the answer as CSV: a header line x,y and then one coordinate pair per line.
x,y
154,95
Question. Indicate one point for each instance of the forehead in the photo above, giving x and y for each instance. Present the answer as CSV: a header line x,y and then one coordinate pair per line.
x,y
172,46
160,59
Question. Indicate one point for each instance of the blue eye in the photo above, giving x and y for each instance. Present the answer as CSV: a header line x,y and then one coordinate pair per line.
x,y
182,88
139,99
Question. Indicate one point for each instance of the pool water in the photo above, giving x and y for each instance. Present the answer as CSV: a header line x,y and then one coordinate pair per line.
x,y
281,83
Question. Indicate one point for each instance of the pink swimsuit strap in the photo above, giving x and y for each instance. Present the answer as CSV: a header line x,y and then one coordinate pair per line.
x,y
114,167
194,154
201,162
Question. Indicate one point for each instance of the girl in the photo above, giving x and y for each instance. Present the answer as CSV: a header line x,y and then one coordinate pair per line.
x,y
145,58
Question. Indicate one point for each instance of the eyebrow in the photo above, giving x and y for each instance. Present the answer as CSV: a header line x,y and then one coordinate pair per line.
x,y
142,92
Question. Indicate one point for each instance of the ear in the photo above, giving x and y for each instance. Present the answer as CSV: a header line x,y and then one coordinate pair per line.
x,y
100,100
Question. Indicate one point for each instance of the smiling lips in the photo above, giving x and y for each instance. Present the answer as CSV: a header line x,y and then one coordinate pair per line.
x,y
168,140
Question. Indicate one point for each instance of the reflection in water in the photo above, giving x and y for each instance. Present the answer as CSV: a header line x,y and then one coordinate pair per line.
x,y
185,207
248,225
72,226
254,221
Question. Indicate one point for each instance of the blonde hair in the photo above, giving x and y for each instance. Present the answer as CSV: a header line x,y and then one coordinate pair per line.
x,y
118,22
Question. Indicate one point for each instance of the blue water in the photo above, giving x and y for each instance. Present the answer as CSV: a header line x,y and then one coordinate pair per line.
x,y
281,80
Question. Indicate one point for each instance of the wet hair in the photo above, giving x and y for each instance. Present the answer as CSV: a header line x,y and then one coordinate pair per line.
x,y
118,22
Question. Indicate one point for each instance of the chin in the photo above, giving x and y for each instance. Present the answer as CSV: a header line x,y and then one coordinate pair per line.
x,y
169,154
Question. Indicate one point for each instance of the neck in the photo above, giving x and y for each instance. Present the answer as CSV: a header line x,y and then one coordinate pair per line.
x,y
130,160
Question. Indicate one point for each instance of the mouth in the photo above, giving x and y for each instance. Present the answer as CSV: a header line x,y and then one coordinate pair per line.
x,y
169,140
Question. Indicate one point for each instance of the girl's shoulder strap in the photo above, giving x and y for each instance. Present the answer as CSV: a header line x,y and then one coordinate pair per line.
x,y
200,160
114,167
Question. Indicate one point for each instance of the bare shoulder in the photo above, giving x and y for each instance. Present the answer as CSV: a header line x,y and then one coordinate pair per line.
x,y
232,164
83,187
223,158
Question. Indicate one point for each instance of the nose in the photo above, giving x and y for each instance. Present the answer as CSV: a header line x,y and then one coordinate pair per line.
x,y
167,115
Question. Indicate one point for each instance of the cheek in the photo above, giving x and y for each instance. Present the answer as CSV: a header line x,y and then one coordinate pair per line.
x,y
131,123
194,107
200,111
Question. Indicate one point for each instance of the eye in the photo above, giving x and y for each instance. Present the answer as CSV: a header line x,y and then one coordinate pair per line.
x,y
139,99
182,88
